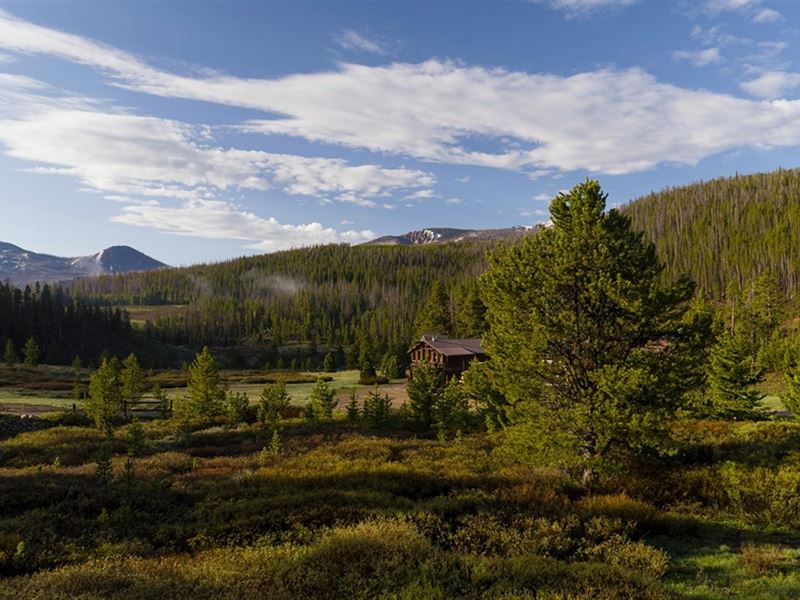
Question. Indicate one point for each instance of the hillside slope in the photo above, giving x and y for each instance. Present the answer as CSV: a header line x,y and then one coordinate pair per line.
x,y
727,230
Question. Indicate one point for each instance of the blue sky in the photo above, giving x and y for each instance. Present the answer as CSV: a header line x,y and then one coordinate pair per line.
x,y
199,131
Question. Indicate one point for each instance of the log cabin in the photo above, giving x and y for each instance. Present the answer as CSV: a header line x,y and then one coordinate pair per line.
x,y
449,354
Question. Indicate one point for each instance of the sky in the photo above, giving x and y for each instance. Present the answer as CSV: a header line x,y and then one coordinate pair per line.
x,y
199,131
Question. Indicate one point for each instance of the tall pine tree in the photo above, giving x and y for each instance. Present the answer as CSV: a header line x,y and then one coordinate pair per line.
x,y
584,336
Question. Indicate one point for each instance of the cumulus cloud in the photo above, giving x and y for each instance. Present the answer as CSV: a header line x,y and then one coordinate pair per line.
x,y
223,220
772,84
699,58
352,40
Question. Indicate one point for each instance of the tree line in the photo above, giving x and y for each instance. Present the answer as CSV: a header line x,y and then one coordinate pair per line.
x,y
41,323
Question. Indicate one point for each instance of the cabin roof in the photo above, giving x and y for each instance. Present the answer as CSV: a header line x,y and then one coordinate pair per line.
x,y
451,346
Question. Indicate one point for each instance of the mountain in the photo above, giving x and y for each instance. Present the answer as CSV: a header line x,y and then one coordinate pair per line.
x,y
441,235
22,266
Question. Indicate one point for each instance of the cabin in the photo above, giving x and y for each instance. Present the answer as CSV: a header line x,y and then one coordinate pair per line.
x,y
449,354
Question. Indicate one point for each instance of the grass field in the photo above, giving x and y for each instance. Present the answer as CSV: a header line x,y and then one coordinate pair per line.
x,y
24,400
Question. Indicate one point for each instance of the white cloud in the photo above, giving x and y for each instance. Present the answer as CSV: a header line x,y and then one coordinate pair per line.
x,y
420,195
699,58
607,121
133,160
772,84
454,201
753,9
716,36
352,40
120,153
542,197
767,15
582,8
223,220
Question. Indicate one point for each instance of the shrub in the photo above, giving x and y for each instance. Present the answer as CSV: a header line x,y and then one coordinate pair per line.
x,y
637,557
762,559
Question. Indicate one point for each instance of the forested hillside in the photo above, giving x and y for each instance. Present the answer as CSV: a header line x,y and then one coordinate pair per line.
x,y
60,328
725,231
330,295
729,230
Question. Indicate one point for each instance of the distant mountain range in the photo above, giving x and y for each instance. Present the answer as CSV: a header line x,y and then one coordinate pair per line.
x,y
441,235
22,266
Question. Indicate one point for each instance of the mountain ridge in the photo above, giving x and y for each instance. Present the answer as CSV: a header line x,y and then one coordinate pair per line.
x,y
443,235
21,266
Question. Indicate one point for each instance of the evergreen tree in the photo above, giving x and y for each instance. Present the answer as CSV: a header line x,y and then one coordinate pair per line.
x,y
274,401
323,399
733,373
451,411
480,388
435,319
31,352
104,404
367,374
205,391
352,407
10,356
390,366
237,406
163,401
470,312
424,391
132,378
376,408
104,469
329,363
583,334
791,399
77,386
136,439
